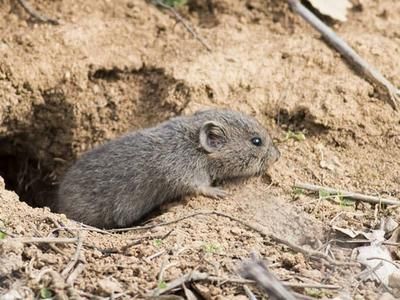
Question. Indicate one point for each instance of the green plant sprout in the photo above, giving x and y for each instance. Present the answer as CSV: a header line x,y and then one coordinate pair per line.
x,y
295,135
162,285
322,194
298,191
211,248
45,293
174,3
158,242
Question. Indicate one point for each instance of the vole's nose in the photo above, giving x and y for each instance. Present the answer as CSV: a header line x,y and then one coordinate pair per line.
x,y
275,154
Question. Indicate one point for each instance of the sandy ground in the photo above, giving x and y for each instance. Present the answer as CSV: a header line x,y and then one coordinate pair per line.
x,y
114,66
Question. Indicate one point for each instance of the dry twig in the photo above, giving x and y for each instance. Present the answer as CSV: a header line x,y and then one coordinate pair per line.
x,y
256,270
35,14
52,246
249,293
372,74
200,276
347,194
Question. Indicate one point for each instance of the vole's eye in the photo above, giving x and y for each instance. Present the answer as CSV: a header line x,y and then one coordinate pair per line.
x,y
256,141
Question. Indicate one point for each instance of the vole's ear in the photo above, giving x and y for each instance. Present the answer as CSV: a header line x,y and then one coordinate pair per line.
x,y
212,136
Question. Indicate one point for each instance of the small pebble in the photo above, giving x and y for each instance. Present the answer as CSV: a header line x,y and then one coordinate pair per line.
x,y
236,231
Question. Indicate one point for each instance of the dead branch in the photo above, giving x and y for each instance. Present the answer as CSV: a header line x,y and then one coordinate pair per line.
x,y
179,18
52,246
200,276
371,74
347,194
256,270
249,293
35,14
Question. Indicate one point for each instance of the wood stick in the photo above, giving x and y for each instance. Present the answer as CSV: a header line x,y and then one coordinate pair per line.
x,y
347,194
371,73
201,276
256,270
35,14
249,293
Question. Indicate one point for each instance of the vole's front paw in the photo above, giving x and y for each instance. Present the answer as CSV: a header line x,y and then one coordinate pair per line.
x,y
212,192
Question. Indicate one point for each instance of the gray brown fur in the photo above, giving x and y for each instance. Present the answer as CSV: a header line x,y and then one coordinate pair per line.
x,y
116,184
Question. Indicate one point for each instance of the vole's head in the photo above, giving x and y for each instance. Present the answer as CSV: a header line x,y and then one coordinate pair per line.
x,y
236,144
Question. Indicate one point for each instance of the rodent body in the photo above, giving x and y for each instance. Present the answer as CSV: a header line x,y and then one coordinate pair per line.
x,y
116,184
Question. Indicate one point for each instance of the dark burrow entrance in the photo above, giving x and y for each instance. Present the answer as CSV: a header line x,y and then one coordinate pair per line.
x,y
29,178
38,147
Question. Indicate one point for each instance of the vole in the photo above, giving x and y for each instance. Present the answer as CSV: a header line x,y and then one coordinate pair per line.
x,y
117,183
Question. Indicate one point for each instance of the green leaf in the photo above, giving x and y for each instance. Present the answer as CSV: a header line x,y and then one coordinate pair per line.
x,y
158,242
211,248
174,3
162,285
346,201
298,191
45,293
2,235
323,194
316,293
295,135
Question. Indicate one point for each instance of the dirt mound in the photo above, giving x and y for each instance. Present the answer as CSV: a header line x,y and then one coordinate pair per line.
x,y
112,67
